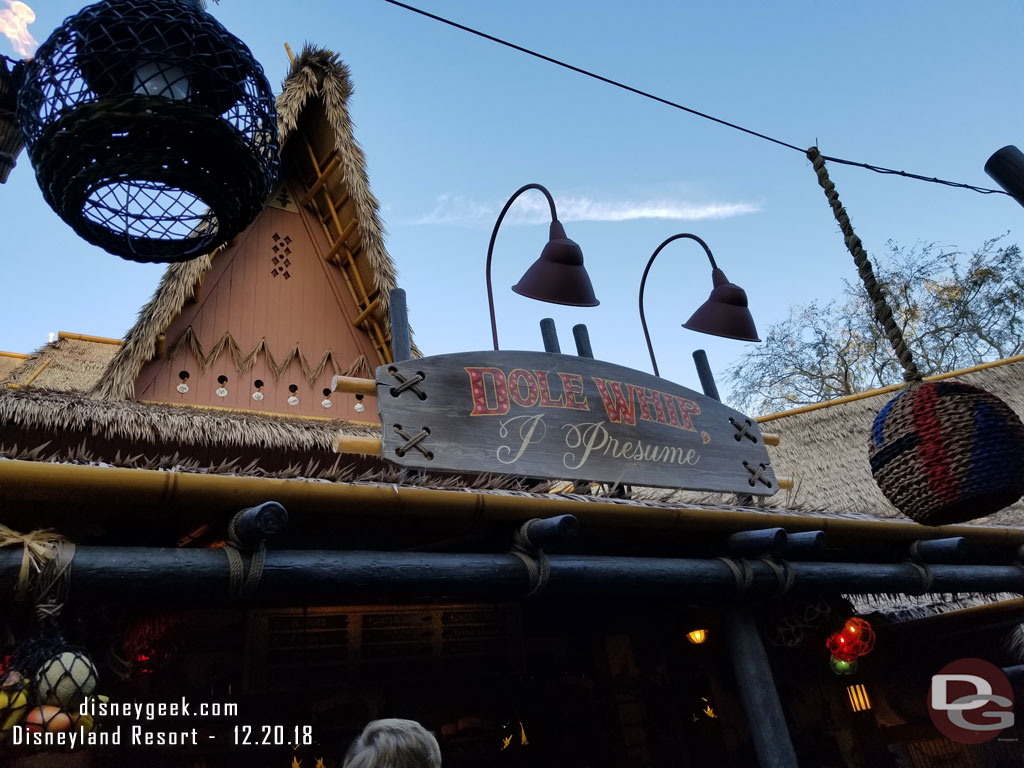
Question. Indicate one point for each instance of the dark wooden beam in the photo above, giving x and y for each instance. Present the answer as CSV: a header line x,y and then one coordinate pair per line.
x,y
195,576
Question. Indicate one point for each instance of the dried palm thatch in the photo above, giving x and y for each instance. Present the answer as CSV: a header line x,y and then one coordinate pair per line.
x,y
824,448
68,364
128,423
9,362
316,74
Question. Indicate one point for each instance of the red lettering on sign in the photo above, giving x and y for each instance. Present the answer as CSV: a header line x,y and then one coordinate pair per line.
x,y
572,385
620,409
478,380
545,392
647,399
687,409
670,410
516,380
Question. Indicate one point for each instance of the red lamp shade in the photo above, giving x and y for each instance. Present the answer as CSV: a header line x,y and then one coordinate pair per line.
x,y
558,276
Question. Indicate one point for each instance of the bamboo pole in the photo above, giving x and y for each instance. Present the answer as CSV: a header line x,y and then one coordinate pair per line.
x,y
367,446
165,494
86,337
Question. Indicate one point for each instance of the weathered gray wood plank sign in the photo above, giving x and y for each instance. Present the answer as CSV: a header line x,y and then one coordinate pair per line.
x,y
560,417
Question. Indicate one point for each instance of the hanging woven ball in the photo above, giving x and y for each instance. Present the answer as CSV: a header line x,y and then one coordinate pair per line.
x,y
855,639
151,128
11,141
65,679
946,452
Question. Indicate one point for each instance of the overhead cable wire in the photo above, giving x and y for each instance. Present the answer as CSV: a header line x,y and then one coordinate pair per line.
x,y
684,108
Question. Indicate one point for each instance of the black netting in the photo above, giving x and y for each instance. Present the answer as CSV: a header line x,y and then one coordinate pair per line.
x,y
152,129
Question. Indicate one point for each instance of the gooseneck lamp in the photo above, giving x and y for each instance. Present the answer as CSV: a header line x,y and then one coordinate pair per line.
x,y
558,276
151,128
725,312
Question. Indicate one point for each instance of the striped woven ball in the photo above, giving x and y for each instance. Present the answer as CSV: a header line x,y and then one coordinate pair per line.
x,y
946,452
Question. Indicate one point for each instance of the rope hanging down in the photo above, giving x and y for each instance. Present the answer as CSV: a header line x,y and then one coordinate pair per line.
x,y
882,311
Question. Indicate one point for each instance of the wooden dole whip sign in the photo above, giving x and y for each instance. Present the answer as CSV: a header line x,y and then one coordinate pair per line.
x,y
561,417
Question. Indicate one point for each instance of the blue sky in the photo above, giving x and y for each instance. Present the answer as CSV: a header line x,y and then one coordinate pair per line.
x,y
452,125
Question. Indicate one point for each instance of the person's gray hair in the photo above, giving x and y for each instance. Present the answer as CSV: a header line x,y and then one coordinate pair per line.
x,y
394,743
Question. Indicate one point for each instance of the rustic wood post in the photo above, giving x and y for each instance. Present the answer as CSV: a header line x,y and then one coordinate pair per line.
x,y
754,543
707,379
804,544
582,336
768,729
253,525
772,743
550,336
401,342
951,550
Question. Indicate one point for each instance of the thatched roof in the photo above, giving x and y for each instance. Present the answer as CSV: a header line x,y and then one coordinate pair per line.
x,y
71,363
132,426
9,362
825,447
316,75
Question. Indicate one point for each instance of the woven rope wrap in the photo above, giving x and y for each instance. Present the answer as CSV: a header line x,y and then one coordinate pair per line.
x,y
152,129
243,584
538,567
39,548
944,452
941,452
882,311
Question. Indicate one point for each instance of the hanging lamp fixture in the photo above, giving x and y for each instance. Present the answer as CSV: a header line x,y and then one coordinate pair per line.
x,y
152,129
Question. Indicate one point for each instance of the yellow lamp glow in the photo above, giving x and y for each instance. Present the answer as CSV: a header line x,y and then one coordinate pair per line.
x,y
859,701
697,636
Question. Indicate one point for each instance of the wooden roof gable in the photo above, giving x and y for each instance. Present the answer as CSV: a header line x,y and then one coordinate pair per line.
x,y
300,296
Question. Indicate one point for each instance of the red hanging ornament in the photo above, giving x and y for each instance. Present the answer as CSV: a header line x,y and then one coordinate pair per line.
x,y
854,640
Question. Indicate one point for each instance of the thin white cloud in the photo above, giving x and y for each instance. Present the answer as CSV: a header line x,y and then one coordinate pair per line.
x,y
453,209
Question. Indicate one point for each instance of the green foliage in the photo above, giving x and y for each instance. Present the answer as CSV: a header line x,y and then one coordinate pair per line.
x,y
955,310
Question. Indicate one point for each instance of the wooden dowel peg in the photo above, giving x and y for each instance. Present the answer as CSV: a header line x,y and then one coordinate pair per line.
x,y
769,438
354,386
752,543
368,446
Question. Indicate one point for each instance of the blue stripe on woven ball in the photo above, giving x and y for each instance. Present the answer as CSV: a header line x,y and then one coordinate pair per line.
x,y
891,451
879,425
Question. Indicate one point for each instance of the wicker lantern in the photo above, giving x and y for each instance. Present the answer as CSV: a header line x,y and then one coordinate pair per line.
x,y
11,141
152,129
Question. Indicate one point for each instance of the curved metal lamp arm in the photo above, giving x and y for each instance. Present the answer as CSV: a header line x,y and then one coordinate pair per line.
x,y
643,282
490,248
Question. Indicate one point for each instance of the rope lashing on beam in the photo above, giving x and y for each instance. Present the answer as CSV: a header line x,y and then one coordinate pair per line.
x,y
741,572
927,575
538,567
243,584
783,572
38,548
55,580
